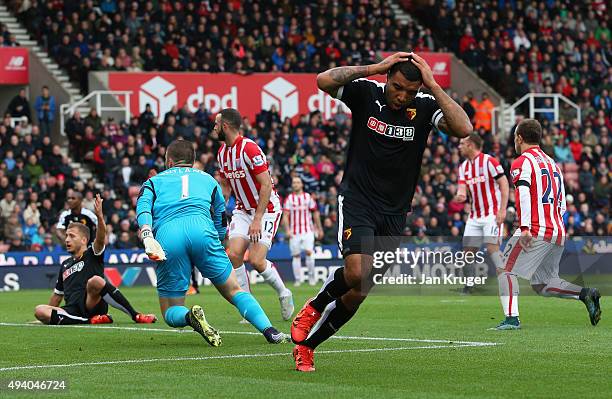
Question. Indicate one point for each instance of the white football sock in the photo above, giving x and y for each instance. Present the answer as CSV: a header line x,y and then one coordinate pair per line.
x,y
243,278
508,293
296,264
271,276
562,289
310,263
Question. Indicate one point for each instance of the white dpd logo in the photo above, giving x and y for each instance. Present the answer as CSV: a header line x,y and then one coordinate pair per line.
x,y
282,94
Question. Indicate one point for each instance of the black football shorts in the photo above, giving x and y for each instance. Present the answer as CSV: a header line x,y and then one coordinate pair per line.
x,y
79,308
363,229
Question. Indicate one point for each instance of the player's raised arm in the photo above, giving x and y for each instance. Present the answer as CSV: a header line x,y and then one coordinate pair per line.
x,y
333,79
455,121
144,207
98,244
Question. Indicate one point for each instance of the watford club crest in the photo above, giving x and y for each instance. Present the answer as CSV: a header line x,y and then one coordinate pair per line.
x,y
411,113
348,233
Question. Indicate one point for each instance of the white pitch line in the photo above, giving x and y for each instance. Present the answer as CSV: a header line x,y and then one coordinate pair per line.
x,y
340,337
201,358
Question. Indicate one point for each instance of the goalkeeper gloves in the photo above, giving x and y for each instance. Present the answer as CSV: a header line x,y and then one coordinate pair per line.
x,y
152,248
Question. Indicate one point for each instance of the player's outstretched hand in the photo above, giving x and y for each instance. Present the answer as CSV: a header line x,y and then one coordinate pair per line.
x,y
255,230
426,73
98,206
152,248
386,64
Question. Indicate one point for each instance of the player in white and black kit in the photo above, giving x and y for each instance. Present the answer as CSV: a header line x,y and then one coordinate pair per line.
x,y
391,123
75,214
81,282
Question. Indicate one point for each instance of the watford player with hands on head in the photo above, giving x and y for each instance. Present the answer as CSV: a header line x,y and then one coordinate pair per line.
x,y
391,123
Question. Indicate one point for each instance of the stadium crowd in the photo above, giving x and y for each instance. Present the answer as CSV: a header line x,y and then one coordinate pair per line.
x,y
234,36
244,37
521,47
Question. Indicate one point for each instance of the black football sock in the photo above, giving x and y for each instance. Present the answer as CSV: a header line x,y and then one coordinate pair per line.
x,y
338,317
61,317
115,298
333,289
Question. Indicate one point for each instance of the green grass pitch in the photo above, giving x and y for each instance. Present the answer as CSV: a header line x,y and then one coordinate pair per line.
x,y
557,354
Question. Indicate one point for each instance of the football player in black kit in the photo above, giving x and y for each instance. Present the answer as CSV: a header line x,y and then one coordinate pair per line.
x,y
81,282
391,123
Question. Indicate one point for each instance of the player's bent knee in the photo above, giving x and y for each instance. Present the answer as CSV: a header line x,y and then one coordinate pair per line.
x,y
258,263
41,313
96,283
234,258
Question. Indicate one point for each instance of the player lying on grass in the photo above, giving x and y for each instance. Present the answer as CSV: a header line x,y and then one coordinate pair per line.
x,y
181,213
535,250
81,282
391,123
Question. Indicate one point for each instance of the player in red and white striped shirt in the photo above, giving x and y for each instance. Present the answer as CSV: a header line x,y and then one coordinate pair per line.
x,y
488,187
534,252
244,170
299,211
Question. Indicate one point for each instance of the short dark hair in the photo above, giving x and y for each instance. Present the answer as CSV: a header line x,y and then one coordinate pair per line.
x,y
530,130
408,69
83,229
232,117
476,139
181,152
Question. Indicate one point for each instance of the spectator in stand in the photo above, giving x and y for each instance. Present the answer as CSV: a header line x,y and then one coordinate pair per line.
x,y
45,111
20,106
484,113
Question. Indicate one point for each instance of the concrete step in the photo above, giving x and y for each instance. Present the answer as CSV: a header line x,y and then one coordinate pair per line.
x,y
5,14
3,7
62,78
18,31
27,43
52,66
11,23
36,49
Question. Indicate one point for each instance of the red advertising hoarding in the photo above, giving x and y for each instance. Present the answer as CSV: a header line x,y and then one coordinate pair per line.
x,y
14,65
292,94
